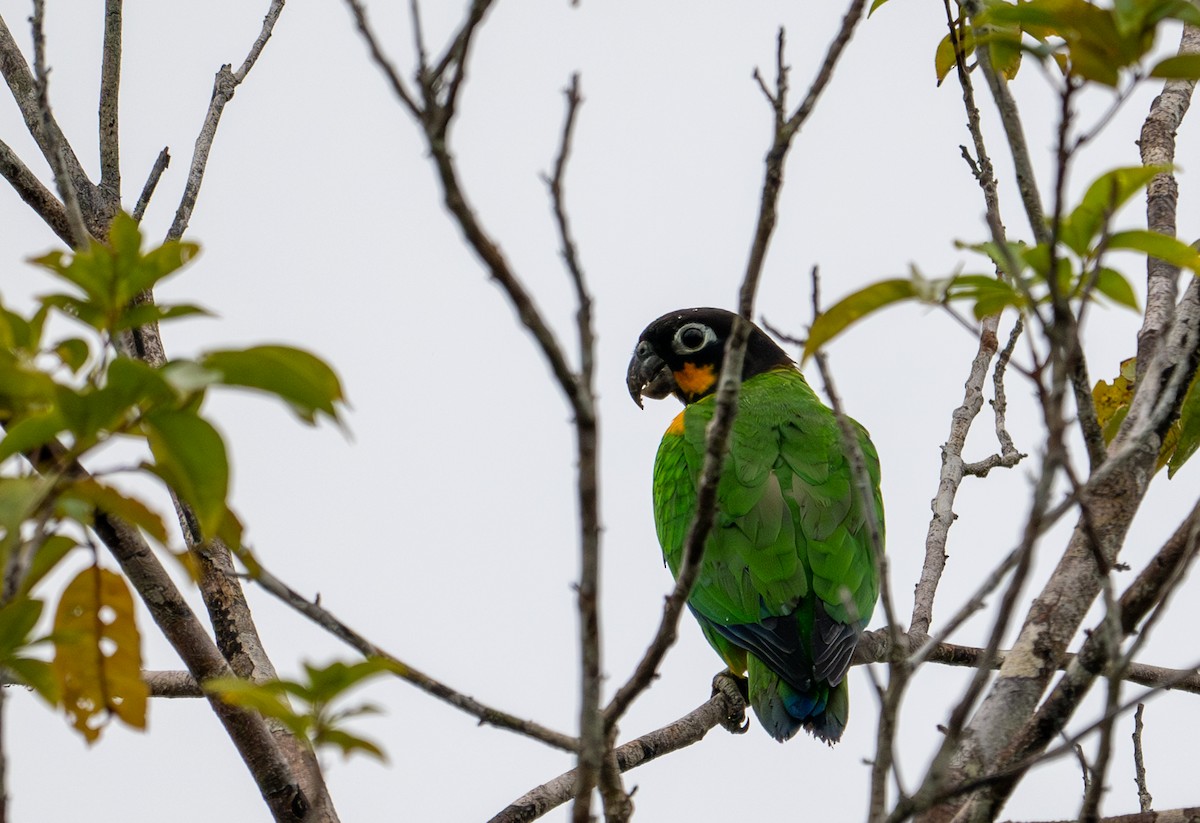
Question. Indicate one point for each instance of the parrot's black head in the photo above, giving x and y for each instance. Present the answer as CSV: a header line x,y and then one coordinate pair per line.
x,y
681,353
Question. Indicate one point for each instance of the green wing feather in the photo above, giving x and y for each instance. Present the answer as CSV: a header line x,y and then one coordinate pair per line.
x,y
789,562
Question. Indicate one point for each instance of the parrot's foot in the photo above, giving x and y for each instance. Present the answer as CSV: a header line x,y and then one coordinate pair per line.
x,y
737,694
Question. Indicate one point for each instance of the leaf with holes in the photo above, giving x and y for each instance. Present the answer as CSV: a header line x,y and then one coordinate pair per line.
x,y
97,656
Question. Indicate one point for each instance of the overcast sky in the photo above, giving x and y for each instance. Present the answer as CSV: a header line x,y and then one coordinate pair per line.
x,y
444,527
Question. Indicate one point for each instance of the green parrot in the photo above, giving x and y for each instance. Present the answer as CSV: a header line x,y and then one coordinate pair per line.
x,y
789,577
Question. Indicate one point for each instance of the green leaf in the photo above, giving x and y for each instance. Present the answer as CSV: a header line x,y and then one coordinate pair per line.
x,y
263,698
1113,285
37,675
17,619
944,58
302,380
1104,196
990,294
158,263
53,549
874,5
74,353
349,743
31,432
189,455
1179,67
1189,427
330,681
81,270
143,314
853,308
110,501
1162,246
129,384
82,310
19,498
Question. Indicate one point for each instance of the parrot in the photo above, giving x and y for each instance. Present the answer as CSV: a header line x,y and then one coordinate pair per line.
x,y
790,575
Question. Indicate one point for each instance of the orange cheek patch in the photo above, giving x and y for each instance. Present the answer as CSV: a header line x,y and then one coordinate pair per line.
x,y
695,380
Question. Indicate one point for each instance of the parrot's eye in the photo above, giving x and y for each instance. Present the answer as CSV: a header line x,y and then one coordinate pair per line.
x,y
692,337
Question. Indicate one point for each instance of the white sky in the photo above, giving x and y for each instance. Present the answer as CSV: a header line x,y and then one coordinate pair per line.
x,y
445,528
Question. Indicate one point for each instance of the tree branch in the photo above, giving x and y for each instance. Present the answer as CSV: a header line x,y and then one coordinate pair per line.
x,y
689,729
1157,146
57,147
31,190
110,83
325,619
156,172
224,86
41,125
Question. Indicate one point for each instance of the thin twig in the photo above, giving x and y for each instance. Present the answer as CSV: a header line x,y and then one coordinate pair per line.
x,y
322,617
224,86
1010,118
156,172
55,147
1145,800
42,127
594,732
862,491
950,478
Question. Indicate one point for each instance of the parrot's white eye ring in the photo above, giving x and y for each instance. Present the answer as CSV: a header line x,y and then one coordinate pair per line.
x,y
692,337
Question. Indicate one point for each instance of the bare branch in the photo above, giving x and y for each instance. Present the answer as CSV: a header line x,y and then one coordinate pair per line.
x,y
156,172
1186,815
593,733
325,619
950,478
1011,120
31,190
1145,801
56,147
42,126
110,83
224,86
689,729
382,60
1157,145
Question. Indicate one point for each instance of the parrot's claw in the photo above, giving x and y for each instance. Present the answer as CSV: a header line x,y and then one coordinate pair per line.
x,y
736,693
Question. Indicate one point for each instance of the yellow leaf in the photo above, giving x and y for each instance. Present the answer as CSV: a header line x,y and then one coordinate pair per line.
x,y
97,657
1112,399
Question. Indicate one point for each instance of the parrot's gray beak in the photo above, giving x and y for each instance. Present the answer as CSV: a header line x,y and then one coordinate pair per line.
x,y
648,375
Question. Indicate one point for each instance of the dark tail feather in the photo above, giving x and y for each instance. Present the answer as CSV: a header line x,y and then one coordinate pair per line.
x,y
783,711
